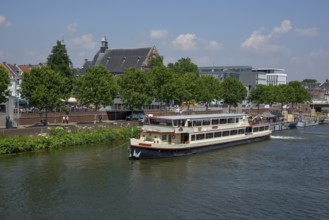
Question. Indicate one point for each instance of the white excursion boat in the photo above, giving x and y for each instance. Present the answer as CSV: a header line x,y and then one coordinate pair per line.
x,y
179,135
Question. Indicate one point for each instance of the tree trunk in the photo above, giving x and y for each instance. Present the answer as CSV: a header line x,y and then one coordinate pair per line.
x,y
46,120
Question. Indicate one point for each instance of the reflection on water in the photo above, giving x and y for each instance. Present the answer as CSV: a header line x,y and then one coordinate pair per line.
x,y
285,177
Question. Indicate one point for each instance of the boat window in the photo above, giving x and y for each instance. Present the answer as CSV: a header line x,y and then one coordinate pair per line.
x,y
200,136
261,129
209,135
175,122
266,127
230,120
218,134
226,133
237,120
234,132
206,122
222,121
255,130
214,122
196,123
160,122
164,137
192,137
189,123
241,131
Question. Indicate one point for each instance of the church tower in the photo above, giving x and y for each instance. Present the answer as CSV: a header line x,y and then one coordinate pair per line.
x,y
104,45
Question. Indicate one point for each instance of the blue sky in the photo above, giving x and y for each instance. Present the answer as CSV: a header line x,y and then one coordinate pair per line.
x,y
290,35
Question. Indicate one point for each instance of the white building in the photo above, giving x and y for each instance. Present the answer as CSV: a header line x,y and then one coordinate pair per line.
x,y
273,76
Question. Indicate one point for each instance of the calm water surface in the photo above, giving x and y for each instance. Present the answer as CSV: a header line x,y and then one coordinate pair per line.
x,y
286,177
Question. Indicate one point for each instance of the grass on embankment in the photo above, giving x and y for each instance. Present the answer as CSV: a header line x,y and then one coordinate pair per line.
x,y
59,137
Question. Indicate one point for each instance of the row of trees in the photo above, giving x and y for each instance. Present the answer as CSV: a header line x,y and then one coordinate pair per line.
x,y
46,87
293,93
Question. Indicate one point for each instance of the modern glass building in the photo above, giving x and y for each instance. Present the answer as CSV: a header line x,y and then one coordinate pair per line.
x,y
273,76
243,74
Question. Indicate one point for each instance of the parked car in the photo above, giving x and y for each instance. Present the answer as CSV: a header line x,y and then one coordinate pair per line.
x,y
136,116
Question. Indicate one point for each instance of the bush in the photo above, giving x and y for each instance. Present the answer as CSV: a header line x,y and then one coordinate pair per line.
x,y
59,137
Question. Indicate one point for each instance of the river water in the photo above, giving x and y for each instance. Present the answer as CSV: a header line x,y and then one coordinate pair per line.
x,y
286,177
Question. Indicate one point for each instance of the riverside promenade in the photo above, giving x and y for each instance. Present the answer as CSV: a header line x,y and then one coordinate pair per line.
x,y
29,124
39,128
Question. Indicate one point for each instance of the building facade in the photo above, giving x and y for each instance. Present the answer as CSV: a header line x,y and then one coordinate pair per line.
x,y
273,76
118,60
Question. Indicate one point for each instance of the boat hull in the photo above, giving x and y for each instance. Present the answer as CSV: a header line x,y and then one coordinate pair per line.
x,y
140,152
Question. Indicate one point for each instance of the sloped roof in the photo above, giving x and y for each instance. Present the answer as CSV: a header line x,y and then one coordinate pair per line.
x,y
325,85
25,68
118,60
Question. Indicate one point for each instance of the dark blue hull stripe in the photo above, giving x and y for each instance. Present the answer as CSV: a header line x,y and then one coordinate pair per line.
x,y
163,153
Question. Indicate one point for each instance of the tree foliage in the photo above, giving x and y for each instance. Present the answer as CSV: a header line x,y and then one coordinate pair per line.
x,y
97,86
157,62
258,95
183,65
59,60
284,94
233,92
4,83
161,77
184,88
44,88
135,89
299,94
309,81
208,89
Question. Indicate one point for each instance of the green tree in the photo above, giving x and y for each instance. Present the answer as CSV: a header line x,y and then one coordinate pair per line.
x,y
309,81
184,88
44,88
157,62
97,86
4,84
208,89
59,61
283,94
135,89
271,94
300,94
233,92
161,77
258,95
183,65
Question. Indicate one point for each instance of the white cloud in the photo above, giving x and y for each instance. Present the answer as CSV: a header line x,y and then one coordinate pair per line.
x,y
4,22
213,45
261,43
255,41
85,41
72,28
284,28
306,32
186,42
158,34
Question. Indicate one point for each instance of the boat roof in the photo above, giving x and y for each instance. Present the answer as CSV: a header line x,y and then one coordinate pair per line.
x,y
202,116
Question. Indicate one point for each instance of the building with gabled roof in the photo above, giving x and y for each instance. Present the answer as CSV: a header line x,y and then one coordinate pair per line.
x,y
118,60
